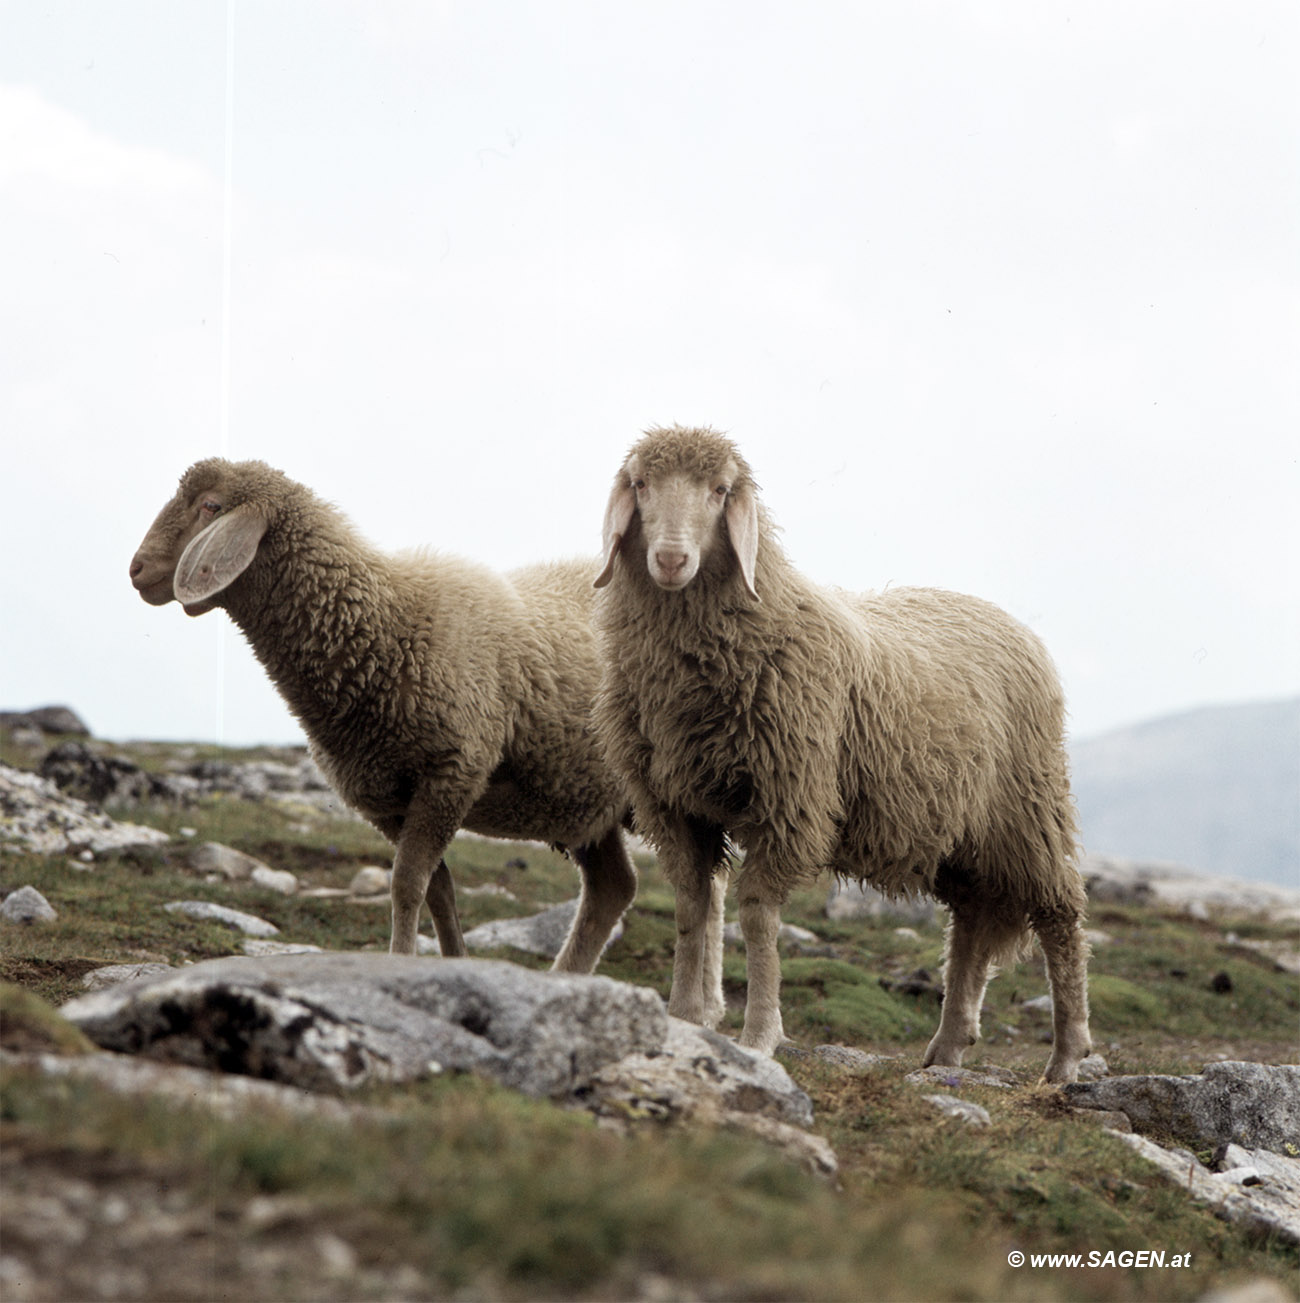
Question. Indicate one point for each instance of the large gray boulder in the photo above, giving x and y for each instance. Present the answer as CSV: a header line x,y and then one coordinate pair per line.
x,y
1247,1113
1255,1105
341,1020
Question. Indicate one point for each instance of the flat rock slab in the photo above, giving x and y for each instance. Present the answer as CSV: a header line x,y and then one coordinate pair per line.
x,y
1264,1200
206,912
340,1020
1256,1105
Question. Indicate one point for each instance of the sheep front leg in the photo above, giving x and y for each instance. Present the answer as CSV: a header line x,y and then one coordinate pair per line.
x,y
694,900
692,861
760,922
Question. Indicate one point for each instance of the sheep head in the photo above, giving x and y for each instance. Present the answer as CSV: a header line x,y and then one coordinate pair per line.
x,y
206,536
693,498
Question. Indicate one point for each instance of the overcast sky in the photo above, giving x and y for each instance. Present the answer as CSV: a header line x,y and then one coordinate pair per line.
x,y
1000,297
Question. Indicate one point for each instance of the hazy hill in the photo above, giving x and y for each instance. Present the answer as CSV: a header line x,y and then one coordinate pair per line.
x,y
1216,789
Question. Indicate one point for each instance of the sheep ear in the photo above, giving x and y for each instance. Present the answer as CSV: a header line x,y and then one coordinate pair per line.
x,y
742,528
218,556
618,516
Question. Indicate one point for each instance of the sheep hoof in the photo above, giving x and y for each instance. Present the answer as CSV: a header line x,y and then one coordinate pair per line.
x,y
1060,1073
762,1040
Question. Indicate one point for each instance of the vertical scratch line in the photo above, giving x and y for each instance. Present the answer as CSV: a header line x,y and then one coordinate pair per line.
x,y
223,396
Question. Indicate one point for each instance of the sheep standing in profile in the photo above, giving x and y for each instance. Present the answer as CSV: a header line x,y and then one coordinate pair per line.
x,y
912,739
436,694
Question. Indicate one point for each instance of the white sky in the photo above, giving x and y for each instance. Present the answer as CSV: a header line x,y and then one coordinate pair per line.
x,y
999,297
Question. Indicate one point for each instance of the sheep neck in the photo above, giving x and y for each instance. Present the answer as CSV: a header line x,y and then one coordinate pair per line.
x,y
320,613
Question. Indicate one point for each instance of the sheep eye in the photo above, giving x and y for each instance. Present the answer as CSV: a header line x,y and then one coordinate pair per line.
x,y
722,490
638,484
212,508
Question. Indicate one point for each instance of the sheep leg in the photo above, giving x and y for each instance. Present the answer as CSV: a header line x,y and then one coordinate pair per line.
x,y
1066,951
694,901
419,873
692,854
441,897
608,886
760,922
974,939
715,1005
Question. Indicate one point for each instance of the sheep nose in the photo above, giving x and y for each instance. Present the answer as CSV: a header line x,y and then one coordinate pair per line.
x,y
670,563
136,566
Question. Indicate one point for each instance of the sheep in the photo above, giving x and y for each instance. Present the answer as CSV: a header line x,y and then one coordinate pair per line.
x,y
912,739
435,693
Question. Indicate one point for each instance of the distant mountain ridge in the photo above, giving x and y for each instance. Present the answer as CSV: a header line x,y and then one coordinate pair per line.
x,y
1216,789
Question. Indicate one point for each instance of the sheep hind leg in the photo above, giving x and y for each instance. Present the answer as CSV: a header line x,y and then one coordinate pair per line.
x,y
440,895
1066,951
608,886
975,940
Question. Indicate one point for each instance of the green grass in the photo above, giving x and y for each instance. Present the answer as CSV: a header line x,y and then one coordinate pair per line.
x,y
487,1194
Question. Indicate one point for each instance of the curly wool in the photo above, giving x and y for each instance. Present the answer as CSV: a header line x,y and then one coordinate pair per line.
x,y
373,653
905,738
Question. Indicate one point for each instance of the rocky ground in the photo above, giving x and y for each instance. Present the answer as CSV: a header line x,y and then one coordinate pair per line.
x,y
304,1024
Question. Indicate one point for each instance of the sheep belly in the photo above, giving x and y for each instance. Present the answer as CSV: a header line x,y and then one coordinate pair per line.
x,y
574,816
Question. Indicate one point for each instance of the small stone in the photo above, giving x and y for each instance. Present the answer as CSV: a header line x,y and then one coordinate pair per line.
x,y
845,1056
964,1110
212,857
370,881
487,889
1038,1004
955,1078
205,911
787,934
259,948
27,905
278,880
538,934
1093,1068
337,1256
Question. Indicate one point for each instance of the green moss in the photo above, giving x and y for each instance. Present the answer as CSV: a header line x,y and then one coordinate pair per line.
x,y
1118,1004
833,1000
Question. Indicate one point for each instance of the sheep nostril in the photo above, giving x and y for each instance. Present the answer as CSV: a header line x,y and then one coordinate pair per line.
x,y
136,566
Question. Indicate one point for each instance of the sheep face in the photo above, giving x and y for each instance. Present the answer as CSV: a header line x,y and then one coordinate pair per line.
x,y
201,541
681,515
